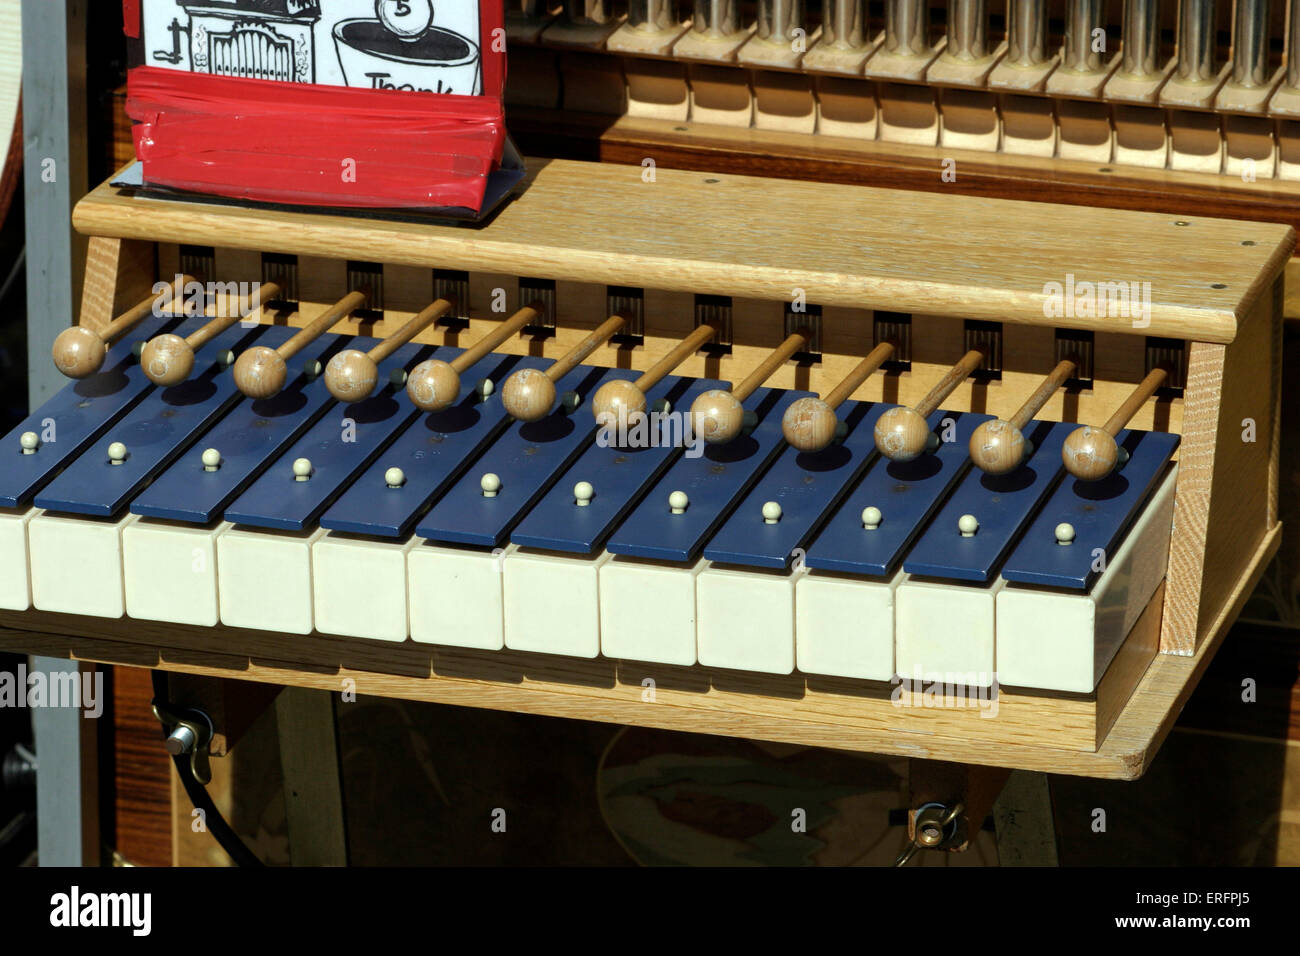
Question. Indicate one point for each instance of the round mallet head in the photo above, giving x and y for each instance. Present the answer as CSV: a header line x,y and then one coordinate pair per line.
x,y
528,395
433,385
260,372
997,447
1090,454
350,376
620,400
809,424
167,359
902,434
717,417
79,352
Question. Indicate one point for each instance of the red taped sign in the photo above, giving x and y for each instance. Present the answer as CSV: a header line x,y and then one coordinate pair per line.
x,y
367,103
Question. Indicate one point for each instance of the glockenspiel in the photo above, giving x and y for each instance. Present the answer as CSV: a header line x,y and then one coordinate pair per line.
x,y
1024,608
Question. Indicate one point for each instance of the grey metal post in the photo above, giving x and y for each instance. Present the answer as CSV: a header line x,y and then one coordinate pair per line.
x,y
54,158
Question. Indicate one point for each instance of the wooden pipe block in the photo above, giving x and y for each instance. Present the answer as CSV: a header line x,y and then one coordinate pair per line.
x,y
455,595
720,96
265,579
1028,125
552,602
1139,89
170,571
784,101
949,71
847,107
1249,148
845,61
1013,77
1084,131
908,114
946,628
712,49
656,89
844,625
1087,628
1288,149
627,587
15,572
760,52
1195,141
968,120
884,65
746,619
1141,138
645,43
76,564
580,34
1070,85
359,587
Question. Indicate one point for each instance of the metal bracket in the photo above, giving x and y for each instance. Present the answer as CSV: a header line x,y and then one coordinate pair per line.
x,y
188,732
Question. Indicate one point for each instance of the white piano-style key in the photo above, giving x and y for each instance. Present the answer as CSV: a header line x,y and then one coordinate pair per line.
x,y
946,628
15,571
359,586
746,619
1061,640
844,625
170,571
76,564
265,579
455,595
647,610
552,602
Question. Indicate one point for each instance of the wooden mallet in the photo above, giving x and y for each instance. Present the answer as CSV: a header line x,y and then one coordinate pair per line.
x,y
902,433
718,415
620,399
810,423
351,375
998,447
1090,454
260,371
528,394
79,351
434,384
168,359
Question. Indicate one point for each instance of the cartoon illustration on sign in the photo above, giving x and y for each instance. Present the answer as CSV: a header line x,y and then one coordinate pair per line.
x,y
376,44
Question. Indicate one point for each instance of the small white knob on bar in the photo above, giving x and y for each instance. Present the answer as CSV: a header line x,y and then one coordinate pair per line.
x,y
211,459
968,525
29,441
301,469
678,502
583,493
771,512
871,518
116,453
490,484
394,477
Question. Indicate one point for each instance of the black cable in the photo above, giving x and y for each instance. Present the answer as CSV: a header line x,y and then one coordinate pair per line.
x,y
198,794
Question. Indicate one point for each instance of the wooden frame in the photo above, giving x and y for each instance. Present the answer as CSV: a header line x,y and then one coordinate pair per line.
x,y
1215,285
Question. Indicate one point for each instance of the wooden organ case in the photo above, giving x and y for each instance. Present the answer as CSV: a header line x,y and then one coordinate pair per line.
x,y
814,596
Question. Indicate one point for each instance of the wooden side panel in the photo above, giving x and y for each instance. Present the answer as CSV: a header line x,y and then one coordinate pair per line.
x,y
1227,482
119,273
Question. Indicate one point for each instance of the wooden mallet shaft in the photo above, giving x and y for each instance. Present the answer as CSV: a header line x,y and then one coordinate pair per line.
x,y
525,316
128,319
861,372
1145,389
570,359
1064,369
321,324
948,384
203,336
680,353
766,368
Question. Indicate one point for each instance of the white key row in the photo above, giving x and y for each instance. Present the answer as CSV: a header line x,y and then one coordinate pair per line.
x,y
616,606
